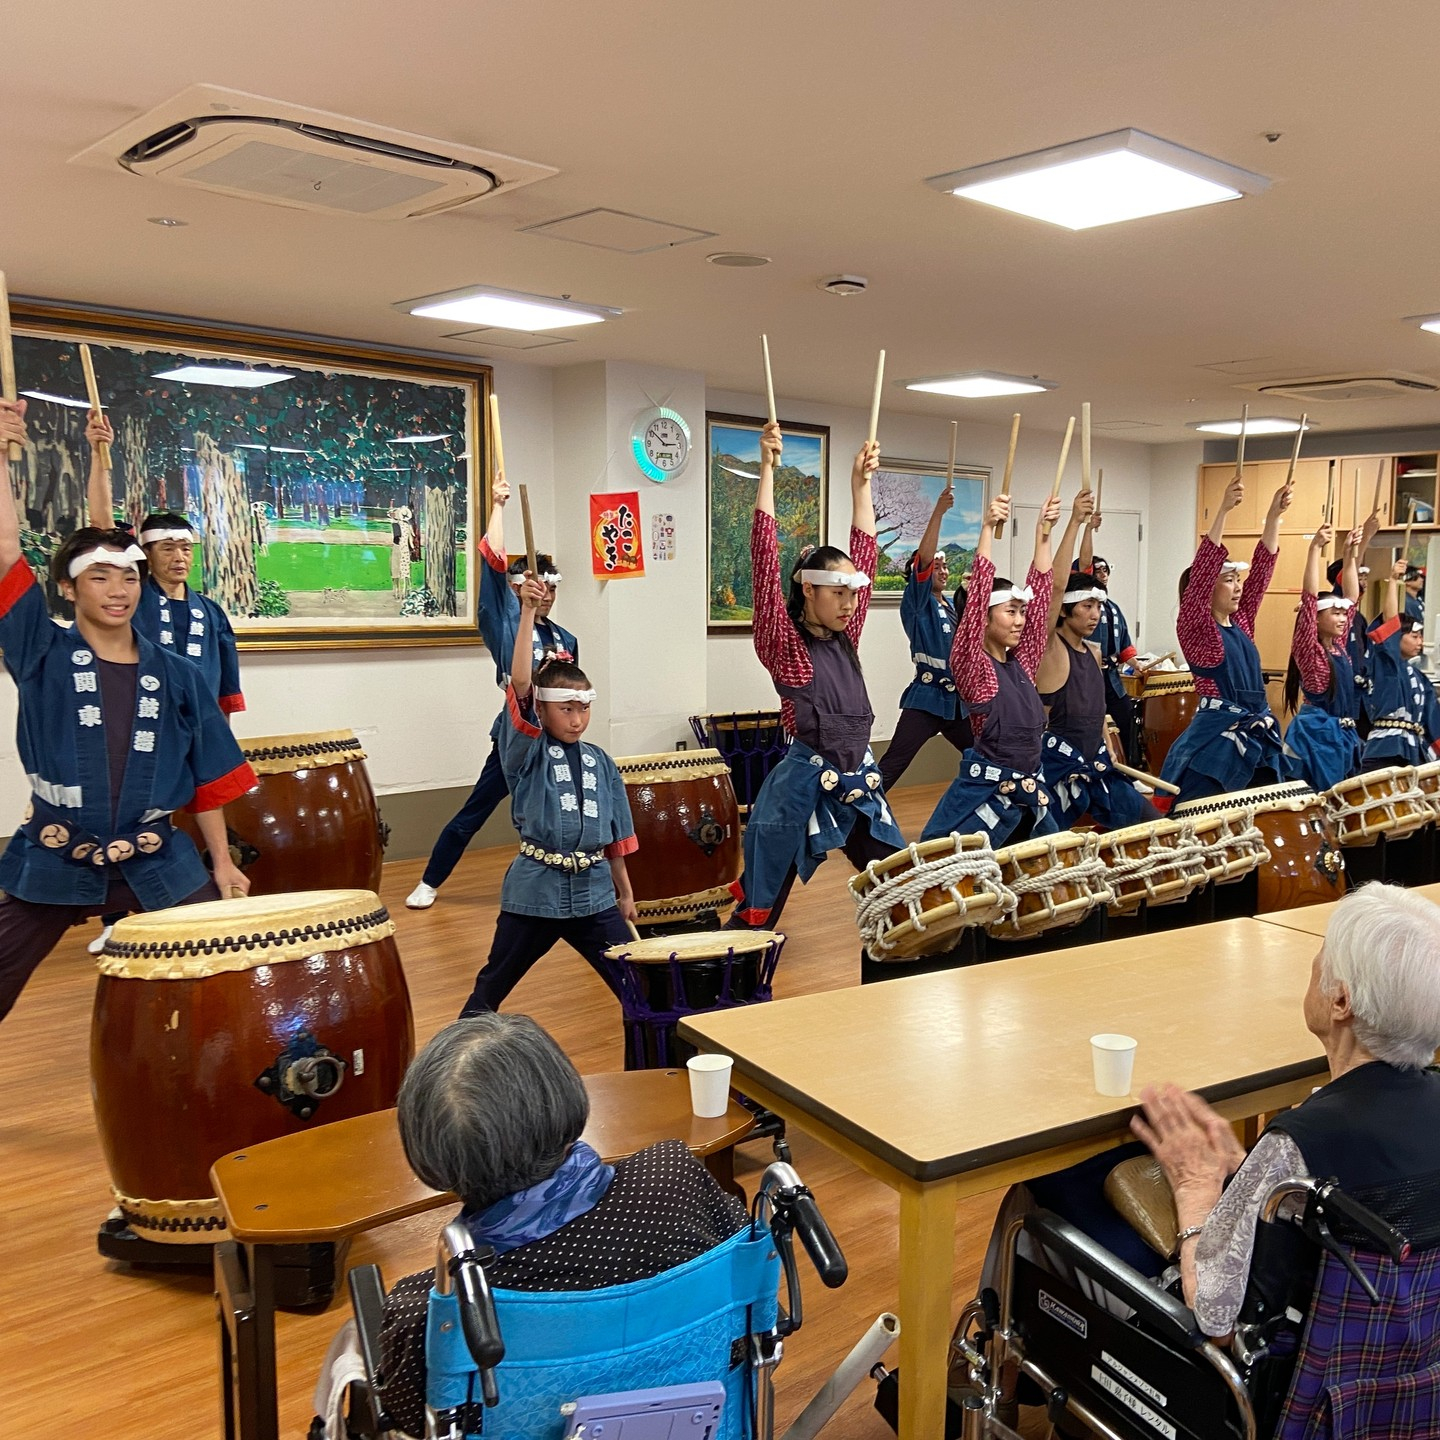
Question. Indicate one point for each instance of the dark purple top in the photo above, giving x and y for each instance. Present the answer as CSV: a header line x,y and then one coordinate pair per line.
x,y
1077,708
117,708
1012,722
832,713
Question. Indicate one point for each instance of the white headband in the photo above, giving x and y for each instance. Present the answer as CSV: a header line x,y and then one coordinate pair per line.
x,y
518,579
127,559
1333,602
151,537
1015,592
855,581
553,692
1074,597
1234,565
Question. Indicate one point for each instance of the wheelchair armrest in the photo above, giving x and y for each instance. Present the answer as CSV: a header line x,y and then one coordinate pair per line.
x,y
1173,1322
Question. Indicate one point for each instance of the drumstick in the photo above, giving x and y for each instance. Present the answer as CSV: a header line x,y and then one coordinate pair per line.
x,y
1355,498
1060,468
1153,781
1240,447
630,926
1099,490
495,431
1151,664
875,399
950,465
92,389
1085,445
1009,470
769,378
1379,481
529,532
1295,456
7,359
1409,523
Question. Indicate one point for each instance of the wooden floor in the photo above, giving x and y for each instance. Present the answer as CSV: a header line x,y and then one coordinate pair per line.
x,y
84,1340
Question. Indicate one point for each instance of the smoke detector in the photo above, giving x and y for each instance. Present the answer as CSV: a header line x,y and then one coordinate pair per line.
x,y
843,285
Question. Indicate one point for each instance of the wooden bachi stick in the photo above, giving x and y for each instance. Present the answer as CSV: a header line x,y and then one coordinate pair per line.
x,y
875,399
495,432
7,359
1099,489
1009,470
1085,445
1240,446
1294,459
92,389
1379,484
769,378
950,466
1060,468
1409,525
1355,499
1153,781
529,532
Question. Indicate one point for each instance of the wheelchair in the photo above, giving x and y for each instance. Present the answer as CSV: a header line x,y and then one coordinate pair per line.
x,y
692,1350
1090,1337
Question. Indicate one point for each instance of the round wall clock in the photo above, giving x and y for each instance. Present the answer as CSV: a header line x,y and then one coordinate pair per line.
x,y
660,443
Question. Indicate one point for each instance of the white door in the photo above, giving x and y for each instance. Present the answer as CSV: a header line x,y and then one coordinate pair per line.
x,y
1118,541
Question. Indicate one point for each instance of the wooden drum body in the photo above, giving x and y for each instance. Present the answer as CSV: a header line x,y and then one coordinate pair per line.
x,y
1427,781
918,900
752,742
1167,704
1387,802
683,805
1057,881
1305,865
312,822
221,1025
1155,863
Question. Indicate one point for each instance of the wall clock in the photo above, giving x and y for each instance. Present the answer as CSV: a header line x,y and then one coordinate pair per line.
x,y
660,443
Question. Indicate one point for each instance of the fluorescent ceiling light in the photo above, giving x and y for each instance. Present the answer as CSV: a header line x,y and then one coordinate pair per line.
x,y
273,449
981,384
57,399
418,439
506,309
233,375
1425,322
1263,425
1118,176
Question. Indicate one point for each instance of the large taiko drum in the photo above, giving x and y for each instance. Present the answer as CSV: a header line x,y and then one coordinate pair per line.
x,y
220,1025
683,805
1389,802
312,822
1427,781
1155,863
1167,704
1057,880
1305,865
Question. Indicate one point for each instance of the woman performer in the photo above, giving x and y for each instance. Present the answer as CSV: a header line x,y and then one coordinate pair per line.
x,y
1000,791
825,794
115,733
928,707
1322,745
1233,740
1112,635
1078,767
1404,718
499,619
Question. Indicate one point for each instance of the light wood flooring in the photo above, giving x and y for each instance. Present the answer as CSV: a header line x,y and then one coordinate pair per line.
x,y
83,1340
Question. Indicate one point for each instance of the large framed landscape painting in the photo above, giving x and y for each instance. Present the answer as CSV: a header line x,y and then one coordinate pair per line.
x,y
905,493
732,443
334,489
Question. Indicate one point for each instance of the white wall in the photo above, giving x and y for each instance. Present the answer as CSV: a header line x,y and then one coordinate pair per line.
x,y
1170,538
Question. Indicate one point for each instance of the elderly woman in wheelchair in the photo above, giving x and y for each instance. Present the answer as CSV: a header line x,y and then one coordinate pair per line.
x,y
565,1280
1307,1272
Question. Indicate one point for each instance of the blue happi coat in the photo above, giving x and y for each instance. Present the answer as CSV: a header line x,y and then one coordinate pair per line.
x,y
182,755
197,628
929,621
1404,716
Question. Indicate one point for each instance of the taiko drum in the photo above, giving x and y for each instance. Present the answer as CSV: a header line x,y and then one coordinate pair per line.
x,y
1167,704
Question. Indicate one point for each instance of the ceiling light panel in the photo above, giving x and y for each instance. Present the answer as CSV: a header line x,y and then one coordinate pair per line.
x,y
980,385
1255,425
506,309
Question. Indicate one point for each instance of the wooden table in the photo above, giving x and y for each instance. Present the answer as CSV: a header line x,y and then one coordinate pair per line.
x,y
1313,919
337,1181
960,1082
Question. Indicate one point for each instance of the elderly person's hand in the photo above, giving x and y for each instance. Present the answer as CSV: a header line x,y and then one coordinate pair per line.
x,y
1195,1146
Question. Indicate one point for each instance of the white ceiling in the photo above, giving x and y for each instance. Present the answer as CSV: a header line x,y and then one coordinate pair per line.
x,y
802,131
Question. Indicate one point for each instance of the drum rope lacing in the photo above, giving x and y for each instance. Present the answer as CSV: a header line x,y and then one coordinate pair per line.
x,y
348,748
262,940
1087,871
1412,799
1247,843
872,909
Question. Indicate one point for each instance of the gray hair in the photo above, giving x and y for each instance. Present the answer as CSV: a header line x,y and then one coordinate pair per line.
x,y
490,1106
1383,945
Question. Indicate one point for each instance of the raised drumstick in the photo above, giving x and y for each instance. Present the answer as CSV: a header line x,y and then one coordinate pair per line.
x,y
529,532
875,399
1099,490
769,378
950,466
1409,525
1085,445
1240,447
495,431
1009,470
1379,484
1060,468
1295,456
7,359
92,389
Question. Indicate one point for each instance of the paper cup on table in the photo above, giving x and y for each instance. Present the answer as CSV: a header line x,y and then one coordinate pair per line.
x,y
1114,1059
709,1084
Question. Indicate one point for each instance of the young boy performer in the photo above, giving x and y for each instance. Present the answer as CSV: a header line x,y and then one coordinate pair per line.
x,y
499,621
1232,741
825,794
1078,768
1322,745
568,802
115,733
928,707
1404,717
1000,791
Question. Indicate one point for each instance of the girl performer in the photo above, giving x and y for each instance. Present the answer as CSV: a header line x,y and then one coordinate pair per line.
x,y
568,802
500,580
1405,720
1077,764
1233,740
825,794
928,707
115,733
1322,745
999,791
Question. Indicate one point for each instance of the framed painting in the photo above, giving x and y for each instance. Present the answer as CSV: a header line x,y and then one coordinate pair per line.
x,y
905,493
732,443
333,490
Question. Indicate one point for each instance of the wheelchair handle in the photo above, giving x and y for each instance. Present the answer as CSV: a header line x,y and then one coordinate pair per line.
x,y
793,1208
1383,1234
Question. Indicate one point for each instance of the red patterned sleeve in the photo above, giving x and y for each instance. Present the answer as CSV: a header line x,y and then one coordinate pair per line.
x,y
974,674
779,646
1257,582
1031,649
1195,627
1306,650
864,552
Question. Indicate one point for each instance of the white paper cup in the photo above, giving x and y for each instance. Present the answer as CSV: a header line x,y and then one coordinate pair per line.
x,y
709,1084
1113,1057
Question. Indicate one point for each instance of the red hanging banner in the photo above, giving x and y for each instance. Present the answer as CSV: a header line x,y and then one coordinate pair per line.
x,y
616,551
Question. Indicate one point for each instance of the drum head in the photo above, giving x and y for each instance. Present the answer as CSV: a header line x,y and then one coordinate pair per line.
x,y
694,945
670,765
277,754
1292,795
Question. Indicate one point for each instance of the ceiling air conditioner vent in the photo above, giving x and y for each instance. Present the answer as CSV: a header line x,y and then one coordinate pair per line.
x,y
1391,385
258,149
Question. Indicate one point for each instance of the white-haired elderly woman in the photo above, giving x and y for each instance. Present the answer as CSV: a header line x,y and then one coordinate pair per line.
x,y
492,1109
